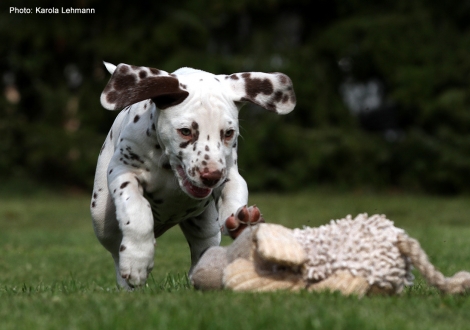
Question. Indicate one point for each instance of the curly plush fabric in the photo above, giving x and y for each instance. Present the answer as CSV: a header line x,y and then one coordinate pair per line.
x,y
364,246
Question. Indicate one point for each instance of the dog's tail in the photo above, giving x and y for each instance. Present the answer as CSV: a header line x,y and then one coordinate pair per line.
x,y
459,283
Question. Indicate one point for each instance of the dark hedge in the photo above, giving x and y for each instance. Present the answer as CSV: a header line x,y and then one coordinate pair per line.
x,y
382,86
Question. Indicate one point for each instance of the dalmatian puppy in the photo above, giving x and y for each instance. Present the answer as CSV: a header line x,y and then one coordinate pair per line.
x,y
171,158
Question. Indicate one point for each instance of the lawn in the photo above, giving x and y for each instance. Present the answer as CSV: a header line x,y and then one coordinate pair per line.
x,y
55,275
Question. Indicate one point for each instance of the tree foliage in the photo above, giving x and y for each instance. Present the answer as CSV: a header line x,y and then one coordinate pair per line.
x,y
412,134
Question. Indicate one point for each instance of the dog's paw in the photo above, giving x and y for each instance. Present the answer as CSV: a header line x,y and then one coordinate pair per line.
x,y
136,262
244,217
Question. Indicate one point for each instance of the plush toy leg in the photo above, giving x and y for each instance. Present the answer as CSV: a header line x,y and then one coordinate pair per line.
x,y
344,282
242,275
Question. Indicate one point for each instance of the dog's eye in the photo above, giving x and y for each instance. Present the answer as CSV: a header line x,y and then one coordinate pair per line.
x,y
185,131
229,133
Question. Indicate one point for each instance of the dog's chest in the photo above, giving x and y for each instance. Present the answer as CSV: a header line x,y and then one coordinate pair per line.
x,y
171,207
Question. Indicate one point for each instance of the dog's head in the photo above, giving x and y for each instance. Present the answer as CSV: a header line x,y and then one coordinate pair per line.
x,y
197,121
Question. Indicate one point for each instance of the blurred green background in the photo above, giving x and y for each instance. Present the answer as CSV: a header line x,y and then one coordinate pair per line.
x,y
383,87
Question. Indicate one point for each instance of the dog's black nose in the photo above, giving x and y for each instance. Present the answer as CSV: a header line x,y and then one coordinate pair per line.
x,y
210,179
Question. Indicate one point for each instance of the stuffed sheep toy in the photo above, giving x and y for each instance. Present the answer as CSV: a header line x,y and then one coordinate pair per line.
x,y
359,256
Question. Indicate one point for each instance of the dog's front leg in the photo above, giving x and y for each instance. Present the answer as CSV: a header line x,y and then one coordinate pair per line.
x,y
133,212
234,215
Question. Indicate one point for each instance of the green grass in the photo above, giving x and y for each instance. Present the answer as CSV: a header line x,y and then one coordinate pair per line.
x,y
55,275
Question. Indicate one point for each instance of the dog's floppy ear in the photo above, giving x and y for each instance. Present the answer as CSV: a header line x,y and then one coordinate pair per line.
x,y
272,91
130,84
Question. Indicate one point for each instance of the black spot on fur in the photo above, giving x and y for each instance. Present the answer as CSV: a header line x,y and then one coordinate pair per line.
x,y
136,118
124,184
122,248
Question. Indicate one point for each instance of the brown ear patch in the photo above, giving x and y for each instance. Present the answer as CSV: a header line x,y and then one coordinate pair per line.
x,y
132,84
255,86
272,91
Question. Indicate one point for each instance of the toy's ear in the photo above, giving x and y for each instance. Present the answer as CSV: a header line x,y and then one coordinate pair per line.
x,y
277,244
130,84
272,91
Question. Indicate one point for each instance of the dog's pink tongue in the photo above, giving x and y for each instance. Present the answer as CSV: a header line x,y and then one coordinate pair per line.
x,y
197,191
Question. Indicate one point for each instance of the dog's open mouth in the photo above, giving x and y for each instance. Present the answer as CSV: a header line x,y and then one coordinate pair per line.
x,y
191,189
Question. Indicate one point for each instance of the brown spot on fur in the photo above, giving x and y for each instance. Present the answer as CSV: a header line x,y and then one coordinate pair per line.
x,y
278,96
122,82
142,74
155,71
256,86
112,97
123,69
282,79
